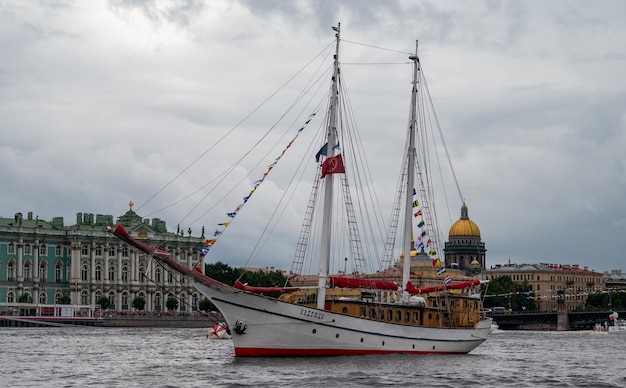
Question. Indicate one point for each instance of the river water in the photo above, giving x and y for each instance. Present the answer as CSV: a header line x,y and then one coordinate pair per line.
x,y
164,357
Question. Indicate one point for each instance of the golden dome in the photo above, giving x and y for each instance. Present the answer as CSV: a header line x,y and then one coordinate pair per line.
x,y
464,226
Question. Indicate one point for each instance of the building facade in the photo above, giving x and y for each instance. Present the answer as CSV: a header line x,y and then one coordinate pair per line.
x,y
41,261
552,283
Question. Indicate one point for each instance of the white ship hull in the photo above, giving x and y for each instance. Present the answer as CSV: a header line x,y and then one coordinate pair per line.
x,y
274,328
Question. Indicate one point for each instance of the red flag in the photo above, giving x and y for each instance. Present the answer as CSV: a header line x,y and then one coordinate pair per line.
x,y
333,165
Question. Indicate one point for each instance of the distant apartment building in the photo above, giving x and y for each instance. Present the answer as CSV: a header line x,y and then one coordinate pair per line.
x,y
551,282
41,261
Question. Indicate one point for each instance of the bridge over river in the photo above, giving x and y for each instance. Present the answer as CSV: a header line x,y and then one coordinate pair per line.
x,y
556,320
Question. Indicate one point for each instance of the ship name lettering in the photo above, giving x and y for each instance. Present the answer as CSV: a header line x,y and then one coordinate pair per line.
x,y
312,314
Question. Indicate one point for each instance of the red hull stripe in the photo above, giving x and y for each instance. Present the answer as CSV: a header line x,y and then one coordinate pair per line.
x,y
265,352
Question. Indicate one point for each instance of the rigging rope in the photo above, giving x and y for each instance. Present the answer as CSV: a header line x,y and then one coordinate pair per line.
x,y
233,214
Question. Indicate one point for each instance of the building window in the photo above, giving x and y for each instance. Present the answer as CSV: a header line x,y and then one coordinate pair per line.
x,y
194,301
11,248
11,271
112,252
98,273
84,297
183,302
84,273
28,250
43,250
142,274
125,300
157,275
112,300
43,271
10,297
28,273
112,273
97,295
124,274
170,277
125,252
98,251
58,251
68,271
57,296
84,250
157,301
58,273
43,299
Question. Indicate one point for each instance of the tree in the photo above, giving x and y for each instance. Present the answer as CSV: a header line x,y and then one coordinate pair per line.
x,y
221,272
171,303
139,303
606,300
65,299
206,305
25,298
227,274
104,302
502,291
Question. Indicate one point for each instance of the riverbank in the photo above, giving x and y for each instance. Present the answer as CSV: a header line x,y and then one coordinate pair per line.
x,y
122,320
181,321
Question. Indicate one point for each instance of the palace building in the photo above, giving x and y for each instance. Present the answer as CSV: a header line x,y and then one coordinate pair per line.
x,y
42,261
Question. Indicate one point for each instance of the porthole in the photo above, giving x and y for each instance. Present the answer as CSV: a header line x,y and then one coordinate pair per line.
x,y
337,335
314,331
383,343
361,339
344,310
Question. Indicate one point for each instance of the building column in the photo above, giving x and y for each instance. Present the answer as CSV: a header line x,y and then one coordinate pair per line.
x,y
75,272
20,262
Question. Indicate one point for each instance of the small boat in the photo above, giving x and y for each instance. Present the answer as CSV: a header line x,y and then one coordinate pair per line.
x,y
219,331
362,312
616,324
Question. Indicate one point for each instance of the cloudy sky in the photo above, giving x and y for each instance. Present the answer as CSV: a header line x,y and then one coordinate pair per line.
x,y
104,102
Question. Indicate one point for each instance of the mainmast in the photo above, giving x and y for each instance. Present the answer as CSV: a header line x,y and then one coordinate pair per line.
x,y
410,182
324,262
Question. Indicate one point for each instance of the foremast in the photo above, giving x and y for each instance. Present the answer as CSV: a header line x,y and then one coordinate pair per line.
x,y
324,262
410,181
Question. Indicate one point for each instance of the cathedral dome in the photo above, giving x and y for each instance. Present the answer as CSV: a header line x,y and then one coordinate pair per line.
x,y
464,226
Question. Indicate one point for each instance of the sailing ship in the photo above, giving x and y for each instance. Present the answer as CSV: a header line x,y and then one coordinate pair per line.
x,y
361,313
